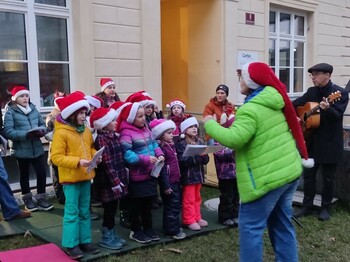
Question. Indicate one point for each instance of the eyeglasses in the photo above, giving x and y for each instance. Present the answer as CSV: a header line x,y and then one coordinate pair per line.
x,y
315,74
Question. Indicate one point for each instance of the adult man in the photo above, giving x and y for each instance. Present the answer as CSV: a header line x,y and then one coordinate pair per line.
x,y
325,144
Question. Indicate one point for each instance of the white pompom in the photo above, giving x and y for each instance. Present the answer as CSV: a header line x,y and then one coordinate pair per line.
x,y
182,135
308,163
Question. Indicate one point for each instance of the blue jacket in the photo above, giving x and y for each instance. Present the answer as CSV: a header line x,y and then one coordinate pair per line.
x,y
16,126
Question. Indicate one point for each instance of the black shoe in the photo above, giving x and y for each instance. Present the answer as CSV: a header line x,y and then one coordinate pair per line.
x,y
30,204
75,253
44,205
304,211
152,235
324,215
89,248
94,203
139,237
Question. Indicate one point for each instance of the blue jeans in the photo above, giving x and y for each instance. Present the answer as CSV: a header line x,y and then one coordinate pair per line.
x,y
8,202
274,211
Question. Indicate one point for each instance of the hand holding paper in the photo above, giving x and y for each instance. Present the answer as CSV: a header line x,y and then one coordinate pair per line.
x,y
95,160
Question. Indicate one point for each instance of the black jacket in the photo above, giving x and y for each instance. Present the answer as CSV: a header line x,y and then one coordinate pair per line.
x,y
326,142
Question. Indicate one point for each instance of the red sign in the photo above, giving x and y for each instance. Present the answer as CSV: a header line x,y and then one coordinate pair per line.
x,y
250,18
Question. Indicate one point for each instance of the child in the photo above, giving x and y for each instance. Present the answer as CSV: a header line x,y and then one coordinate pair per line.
x,y
177,114
192,175
72,151
20,117
141,153
108,93
169,180
110,183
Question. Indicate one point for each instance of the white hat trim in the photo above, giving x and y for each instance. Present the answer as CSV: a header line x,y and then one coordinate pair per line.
x,y
119,110
191,121
93,101
133,111
107,84
177,102
65,113
147,102
246,77
19,93
105,120
158,130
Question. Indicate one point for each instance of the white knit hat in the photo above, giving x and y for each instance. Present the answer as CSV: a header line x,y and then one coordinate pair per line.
x,y
191,121
159,126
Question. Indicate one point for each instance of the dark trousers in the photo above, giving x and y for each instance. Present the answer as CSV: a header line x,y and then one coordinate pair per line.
x,y
39,165
172,205
58,188
140,211
109,212
309,176
229,199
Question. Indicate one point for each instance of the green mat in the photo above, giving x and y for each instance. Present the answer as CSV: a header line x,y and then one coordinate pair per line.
x,y
48,226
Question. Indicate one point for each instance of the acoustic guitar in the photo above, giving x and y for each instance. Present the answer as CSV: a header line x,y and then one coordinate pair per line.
x,y
309,114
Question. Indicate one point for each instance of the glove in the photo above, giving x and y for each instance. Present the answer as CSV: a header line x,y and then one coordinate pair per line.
x,y
118,188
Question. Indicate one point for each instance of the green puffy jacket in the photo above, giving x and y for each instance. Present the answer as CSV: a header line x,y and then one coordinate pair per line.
x,y
266,153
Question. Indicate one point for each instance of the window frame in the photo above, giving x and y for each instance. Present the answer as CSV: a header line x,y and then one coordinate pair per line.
x,y
30,10
292,38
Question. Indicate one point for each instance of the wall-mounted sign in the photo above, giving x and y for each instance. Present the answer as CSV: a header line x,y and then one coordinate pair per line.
x,y
250,18
244,57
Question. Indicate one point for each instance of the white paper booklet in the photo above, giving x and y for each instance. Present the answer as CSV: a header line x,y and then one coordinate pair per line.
x,y
95,159
198,150
157,168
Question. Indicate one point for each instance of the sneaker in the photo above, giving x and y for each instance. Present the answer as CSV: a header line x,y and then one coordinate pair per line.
x,y
139,237
194,227
180,235
75,253
93,215
235,220
229,223
152,235
304,211
89,248
202,223
44,205
324,215
22,214
30,204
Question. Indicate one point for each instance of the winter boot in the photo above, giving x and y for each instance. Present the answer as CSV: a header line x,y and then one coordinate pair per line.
x,y
108,239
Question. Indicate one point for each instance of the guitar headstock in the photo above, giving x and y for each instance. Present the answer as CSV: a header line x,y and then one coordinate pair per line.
x,y
334,97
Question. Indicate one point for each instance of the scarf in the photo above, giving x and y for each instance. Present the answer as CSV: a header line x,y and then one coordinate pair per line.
x,y
26,110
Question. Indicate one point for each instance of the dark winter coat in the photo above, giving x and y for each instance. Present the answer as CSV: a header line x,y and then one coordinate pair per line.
x,y
326,142
191,168
225,163
111,171
170,173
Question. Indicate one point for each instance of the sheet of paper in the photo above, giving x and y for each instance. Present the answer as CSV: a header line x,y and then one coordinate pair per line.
x,y
157,168
198,150
38,128
95,159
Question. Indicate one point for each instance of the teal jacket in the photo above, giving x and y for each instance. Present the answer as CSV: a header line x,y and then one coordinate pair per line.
x,y
16,126
266,153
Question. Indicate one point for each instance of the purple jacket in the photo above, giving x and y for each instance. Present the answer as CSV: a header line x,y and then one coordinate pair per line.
x,y
170,173
138,145
225,163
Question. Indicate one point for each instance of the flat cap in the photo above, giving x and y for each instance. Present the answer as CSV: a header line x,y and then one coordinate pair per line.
x,y
322,67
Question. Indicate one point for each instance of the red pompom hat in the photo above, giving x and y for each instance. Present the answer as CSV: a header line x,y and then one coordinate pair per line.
x,y
128,113
101,117
71,103
94,101
176,102
18,91
105,82
141,97
118,106
257,74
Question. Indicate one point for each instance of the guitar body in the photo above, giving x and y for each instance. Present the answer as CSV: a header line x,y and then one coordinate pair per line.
x,y
308,122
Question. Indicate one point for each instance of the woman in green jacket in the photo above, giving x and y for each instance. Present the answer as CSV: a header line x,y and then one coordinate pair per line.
x,y
265,136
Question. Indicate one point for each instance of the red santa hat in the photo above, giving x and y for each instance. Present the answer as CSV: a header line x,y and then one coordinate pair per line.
x,y
191,121
105,82
176,102
159,126
72,103
141,97
94,101
101,117
17,91
55,102
129,112
257,74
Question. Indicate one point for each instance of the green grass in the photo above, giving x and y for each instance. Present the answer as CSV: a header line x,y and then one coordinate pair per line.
x,y
318,241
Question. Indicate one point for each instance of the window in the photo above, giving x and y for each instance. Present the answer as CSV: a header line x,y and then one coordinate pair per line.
x,y
34,49
287,43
